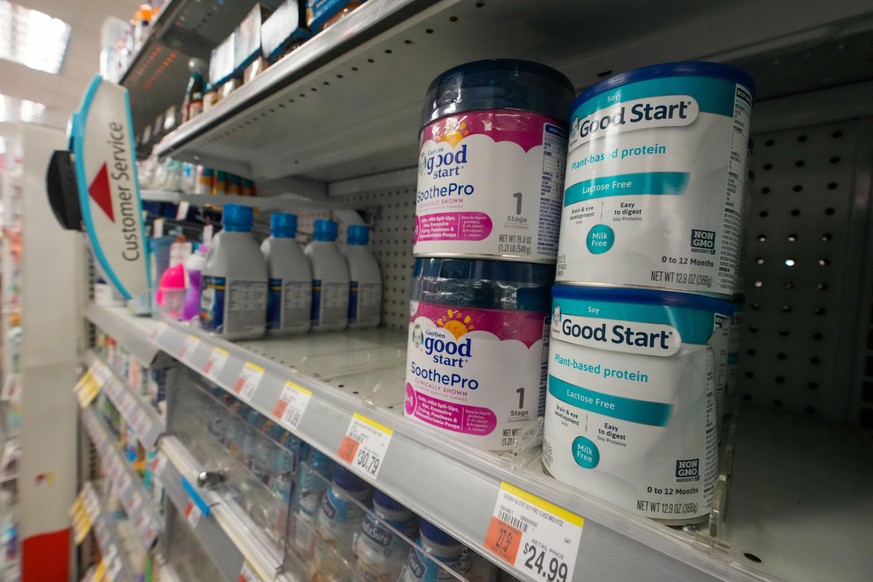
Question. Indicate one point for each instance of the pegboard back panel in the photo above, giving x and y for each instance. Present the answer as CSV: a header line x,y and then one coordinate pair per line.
x,y
802,277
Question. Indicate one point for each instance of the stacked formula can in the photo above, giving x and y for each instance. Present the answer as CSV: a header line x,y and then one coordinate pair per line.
x,y
488,207
650,241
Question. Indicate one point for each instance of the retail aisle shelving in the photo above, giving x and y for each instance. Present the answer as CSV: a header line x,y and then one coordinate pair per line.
x,y
115,563
132,332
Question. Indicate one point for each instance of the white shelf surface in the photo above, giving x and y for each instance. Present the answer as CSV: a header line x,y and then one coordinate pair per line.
x,y
348,102
137,413
137,504
118,567
133,332
227,534
362,372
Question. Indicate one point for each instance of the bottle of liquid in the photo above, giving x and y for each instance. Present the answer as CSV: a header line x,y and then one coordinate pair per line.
x,y
193,266
330,279
289,303
338,521
308,491
365,290
233,297
192,103
442,546
381,553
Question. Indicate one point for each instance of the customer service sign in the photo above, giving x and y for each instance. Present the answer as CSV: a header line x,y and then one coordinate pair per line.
x,y
102,140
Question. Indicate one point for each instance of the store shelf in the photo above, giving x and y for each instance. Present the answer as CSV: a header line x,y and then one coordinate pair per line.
x,y
133,332
137,504
324,112
137,413
118,567
269,203
362,372
224,530
158,74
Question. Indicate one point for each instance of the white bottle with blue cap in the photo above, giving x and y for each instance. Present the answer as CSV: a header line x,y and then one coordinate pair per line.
x,y
289,301
233,286
382,553
365,290
330,279
440,546
337,524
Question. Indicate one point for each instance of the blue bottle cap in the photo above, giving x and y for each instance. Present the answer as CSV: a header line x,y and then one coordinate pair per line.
x,y
435,534
384,500
325,230
499,84
238,218
283,225
348,480
359,234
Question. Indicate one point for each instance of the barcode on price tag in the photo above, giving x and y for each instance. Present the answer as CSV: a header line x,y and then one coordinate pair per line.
x,y
189,346
365,445
215,363
192,513
292,404
534,536
248,381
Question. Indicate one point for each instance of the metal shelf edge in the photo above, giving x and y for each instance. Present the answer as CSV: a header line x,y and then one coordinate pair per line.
x,y
134,333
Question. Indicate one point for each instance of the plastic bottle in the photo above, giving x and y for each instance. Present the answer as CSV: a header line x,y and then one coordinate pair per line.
x,y
193,266
289,303
233,297
308,491
365,289
381,553
338,521
442,546
330,279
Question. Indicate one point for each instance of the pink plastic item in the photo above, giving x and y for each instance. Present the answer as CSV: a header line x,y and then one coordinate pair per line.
x,y
170,295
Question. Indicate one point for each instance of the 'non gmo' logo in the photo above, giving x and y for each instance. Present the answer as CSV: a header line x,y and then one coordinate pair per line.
x,y
687,469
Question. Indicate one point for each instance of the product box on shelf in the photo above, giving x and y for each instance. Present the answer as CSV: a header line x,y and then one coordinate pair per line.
x,y
284,30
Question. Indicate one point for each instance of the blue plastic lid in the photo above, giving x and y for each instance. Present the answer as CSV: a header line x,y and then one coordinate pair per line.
x,y
348,480
486,284
325,230
359,234
645,296
435,534
499,84
384,500
680,69
283,225
238,218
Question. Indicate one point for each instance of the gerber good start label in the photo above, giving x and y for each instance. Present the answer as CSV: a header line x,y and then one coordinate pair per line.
x,y
477,373
655,184
490,185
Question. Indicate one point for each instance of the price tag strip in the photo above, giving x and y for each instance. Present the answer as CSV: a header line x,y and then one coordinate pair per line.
x,y
192,513
189,346
249,378
159,330
248,574
86,389
365,445
215,363
534,536
292,404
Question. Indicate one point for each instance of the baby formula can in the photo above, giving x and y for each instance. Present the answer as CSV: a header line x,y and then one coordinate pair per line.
x,y
478,342
491,163
630,412
655,171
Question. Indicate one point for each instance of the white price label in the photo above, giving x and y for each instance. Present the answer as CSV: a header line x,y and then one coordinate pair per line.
x,y
158,466
215,363
134,505
248,574
188,347
192,513
365,445
182,210
534,536
248,381
114,568
101,372
292,404
124,483
159,331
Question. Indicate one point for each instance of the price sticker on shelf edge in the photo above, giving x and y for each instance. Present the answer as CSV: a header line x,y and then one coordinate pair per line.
x,y
365,445
100,572
189,346
158,466
292,404
215,363
159,330
192,513
249,378
533,535
248,574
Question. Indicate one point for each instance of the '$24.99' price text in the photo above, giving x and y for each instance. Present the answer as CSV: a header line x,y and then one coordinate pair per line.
x,y
552,569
